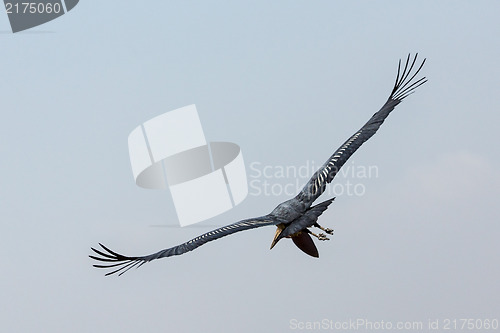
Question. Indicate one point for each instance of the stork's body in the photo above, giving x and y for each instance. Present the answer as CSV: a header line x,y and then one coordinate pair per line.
x,y
296,216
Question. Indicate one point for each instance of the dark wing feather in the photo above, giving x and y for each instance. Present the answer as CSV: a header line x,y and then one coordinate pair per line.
x,y
123,263
304,242
404,86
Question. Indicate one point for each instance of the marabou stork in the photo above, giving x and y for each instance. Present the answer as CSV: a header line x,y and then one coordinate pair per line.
x,y
294,217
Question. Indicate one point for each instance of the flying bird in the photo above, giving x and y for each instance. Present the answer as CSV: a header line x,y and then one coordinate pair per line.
x,y
293,218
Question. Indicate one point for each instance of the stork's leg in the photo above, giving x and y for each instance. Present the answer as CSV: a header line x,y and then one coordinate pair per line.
x,y
327,230
320,236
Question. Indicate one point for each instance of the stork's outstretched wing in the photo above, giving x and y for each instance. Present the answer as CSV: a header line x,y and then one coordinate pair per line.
x,y
123,263
404,86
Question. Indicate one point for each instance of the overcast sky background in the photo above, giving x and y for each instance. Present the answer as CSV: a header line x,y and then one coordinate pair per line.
x,y
288,81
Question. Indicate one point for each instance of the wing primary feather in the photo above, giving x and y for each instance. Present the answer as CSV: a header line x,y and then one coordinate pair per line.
x,y
404,71
133,264
104,254
102,259
397,78
122,268
117,255
142,263
109,266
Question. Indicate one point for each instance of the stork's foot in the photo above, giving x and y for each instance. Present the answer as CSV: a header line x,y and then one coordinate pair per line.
x,y
320,236
323,237
328,231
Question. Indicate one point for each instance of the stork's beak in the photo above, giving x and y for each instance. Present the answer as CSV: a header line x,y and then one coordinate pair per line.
x,y
279,229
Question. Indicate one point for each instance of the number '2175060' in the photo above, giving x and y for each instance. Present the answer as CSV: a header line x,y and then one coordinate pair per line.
x,y
32,8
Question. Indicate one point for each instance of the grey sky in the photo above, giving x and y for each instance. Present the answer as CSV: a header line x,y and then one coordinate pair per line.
x,y
288,81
